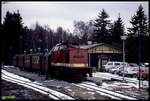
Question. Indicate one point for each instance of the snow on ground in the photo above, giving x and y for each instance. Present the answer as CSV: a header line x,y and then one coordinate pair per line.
x,y
53,97
110,92
129,87
15,76
27,81
119,85
131,81
8,66
101,93
57,83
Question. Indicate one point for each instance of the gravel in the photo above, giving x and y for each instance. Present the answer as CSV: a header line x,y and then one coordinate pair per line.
x,y
13,91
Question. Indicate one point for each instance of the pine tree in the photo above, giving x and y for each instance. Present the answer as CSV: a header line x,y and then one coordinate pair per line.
x,y
139,24
101,34
117,30
139,21
12,29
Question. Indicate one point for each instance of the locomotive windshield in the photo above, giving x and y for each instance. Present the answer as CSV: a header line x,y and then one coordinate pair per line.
x,y
64,47
60,47
75,46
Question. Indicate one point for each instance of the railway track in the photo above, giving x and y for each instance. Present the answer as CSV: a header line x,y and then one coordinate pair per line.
x,y
112,94
37,87
22,79
51,93
124,95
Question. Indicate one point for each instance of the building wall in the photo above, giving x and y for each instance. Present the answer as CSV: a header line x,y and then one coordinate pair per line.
x,y
95,56
100,53
104,49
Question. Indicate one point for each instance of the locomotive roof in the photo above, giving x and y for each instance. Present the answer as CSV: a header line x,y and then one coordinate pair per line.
x,y
65,46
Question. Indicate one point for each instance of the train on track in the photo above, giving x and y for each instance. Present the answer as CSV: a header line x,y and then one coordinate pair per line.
x,y
65,61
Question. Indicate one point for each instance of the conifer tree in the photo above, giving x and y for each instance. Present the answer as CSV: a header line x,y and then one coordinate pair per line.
x,y
101,34
117,30
12,29
139,24
139,21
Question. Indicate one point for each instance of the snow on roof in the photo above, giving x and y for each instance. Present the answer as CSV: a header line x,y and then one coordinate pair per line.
x,y
88,46
97,44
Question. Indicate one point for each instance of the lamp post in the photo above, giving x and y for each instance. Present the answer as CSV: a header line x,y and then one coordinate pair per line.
x,y
25,52
124,37
30,51
46,50
39,56
62,38
30,57
39,61
24,58
52,42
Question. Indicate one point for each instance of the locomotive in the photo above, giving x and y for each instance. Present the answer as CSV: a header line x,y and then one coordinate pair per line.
x,y
65,61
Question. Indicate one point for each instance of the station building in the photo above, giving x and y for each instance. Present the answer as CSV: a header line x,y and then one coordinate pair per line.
x,y
100,53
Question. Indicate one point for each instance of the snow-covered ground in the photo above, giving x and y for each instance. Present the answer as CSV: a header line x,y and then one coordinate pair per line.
x,y
32,85
106,80
128,87
130,82
95,87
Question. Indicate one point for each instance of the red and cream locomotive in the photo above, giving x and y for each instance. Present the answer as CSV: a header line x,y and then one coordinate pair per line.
x,y
65,61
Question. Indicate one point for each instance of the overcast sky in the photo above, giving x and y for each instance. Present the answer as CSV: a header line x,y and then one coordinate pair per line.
x,y
63,13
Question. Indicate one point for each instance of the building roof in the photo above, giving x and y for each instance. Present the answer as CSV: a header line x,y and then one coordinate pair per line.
x,y
98,44
88,46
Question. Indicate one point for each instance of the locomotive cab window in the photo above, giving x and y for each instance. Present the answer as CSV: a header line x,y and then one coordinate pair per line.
x,y
56,48
75,46
63,47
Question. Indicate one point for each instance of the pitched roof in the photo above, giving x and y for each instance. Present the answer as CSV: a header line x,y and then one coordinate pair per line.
x,y
88,46
98,44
